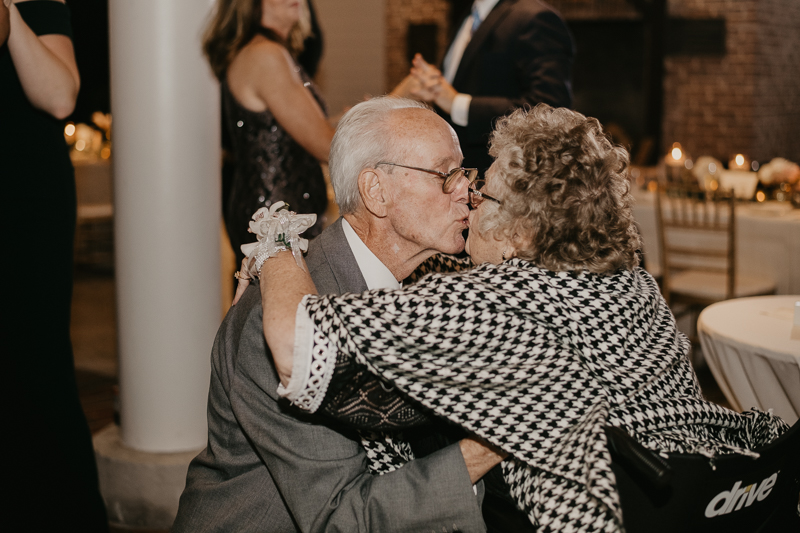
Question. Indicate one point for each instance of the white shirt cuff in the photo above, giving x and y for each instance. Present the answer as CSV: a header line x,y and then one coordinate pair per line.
x,y
303,346
459,110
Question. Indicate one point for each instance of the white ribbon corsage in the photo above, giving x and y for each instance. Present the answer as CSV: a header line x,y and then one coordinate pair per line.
x,y
278,230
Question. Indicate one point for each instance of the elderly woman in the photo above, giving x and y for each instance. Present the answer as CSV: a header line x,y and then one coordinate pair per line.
x,y
555,334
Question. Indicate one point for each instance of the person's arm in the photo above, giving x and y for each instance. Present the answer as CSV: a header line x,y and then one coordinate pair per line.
x,y
542,62
283,286
279,86
45,66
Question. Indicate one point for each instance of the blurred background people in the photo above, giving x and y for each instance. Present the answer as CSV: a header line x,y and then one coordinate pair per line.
x,y
274,116
53,475
309,59
504,55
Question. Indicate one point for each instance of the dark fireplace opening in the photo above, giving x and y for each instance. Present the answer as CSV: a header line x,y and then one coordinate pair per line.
x,y
609,80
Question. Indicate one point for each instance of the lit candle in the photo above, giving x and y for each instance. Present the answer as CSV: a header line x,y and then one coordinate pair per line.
x,y
676,156
739,162
675,160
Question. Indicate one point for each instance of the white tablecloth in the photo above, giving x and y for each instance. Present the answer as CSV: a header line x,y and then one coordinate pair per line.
x,y
768,240
749,347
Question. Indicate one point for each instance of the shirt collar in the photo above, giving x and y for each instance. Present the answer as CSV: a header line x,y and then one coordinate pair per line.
x,y
375,273
484,7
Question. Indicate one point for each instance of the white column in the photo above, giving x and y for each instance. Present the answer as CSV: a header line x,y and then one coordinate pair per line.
x,y
165,108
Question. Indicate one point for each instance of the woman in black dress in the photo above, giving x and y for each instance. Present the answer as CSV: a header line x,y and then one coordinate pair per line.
x,y
53,476
271,109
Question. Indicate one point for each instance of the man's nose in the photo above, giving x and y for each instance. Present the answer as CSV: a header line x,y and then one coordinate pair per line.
x,y
460,192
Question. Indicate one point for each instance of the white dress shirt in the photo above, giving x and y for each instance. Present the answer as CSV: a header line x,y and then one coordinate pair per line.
x,y
459,110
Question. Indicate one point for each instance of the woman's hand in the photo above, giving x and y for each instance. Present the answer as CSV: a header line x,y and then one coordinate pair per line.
x,y
45,66
408,88
480,456
433,87
244,281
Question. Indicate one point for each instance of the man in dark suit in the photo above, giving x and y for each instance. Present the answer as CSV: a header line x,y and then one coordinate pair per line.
x,y
269,468
505,54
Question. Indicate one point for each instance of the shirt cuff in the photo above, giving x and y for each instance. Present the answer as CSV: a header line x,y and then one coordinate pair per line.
x,y
459,110
313,363
301,364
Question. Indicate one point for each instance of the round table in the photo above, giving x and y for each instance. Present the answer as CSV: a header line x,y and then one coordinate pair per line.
x,y
753,350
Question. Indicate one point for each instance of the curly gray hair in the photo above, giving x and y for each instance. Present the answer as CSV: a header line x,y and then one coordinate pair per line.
x,y
565,192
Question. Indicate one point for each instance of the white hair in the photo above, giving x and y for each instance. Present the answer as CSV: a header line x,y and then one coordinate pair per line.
x,y
362,141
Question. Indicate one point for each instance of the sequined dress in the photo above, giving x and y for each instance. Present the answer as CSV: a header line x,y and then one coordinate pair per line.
x,y
270,166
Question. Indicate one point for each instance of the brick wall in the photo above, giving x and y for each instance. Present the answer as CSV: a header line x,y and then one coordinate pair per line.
x,y
747,101
777,89
709,100
401,13
593,9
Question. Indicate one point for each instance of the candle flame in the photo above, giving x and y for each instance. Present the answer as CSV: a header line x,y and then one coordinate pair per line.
x,y
739,159
676,153
69,129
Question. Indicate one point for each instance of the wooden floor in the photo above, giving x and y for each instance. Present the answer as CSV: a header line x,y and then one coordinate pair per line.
x,y
94,339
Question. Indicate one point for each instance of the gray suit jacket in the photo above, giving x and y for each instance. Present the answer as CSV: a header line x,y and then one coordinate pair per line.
x,y
268,468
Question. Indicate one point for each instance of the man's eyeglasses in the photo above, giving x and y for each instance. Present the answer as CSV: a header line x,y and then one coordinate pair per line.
x,y
476,197
450,178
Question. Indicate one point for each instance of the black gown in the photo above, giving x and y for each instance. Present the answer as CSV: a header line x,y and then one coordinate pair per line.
x,y
270,166
52,476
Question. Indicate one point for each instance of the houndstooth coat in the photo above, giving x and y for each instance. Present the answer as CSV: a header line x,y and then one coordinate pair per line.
x,y
535,362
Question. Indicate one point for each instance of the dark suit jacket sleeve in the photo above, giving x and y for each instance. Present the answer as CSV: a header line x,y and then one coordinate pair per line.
x,y
321,472
542,63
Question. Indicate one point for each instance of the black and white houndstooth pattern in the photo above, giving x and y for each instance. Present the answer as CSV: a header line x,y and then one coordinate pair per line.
x,y
536,363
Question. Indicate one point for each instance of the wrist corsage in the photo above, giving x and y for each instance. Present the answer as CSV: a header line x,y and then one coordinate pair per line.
x,y
278,230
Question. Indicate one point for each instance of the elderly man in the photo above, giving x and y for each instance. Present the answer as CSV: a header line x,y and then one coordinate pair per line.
x,y
395,168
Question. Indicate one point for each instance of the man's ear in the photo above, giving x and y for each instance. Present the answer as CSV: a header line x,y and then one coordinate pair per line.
x,y
372,192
